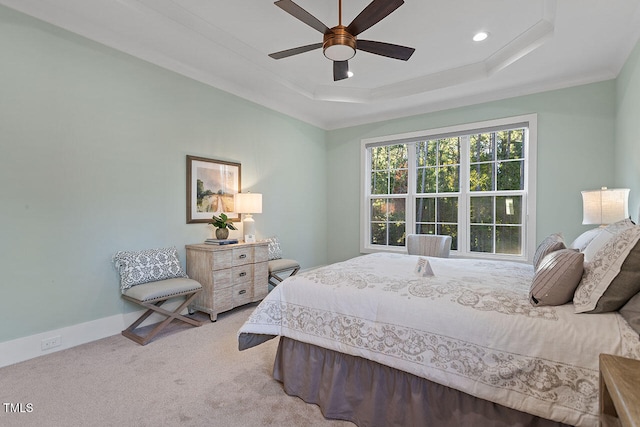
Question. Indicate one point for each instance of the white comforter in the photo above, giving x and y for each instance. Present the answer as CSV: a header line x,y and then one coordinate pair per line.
x,y
469,327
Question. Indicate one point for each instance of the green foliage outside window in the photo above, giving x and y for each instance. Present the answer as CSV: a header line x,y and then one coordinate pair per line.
x,y
496,161
496,164
388,221
438,166
389,169
437,172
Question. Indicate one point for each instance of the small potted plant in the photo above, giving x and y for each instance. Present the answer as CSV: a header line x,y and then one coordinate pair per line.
x,y
222,224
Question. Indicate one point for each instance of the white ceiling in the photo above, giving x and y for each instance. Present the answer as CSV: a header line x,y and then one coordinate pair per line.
x,y
534,45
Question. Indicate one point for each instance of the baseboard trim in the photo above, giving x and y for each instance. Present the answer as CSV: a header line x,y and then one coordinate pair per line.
x,y
30,347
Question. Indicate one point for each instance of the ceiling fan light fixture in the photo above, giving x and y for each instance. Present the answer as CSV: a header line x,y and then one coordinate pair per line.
x,y
338,52
338,44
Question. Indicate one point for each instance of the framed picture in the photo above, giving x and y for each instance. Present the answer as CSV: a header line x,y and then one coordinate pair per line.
x,y
211,187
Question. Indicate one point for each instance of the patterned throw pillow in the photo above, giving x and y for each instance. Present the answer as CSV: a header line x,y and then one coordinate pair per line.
x,y
553,243
605,266
604,236
151,265
557,278
274,248
624,286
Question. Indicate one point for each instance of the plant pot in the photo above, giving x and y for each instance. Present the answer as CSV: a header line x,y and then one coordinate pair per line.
x,y
222,233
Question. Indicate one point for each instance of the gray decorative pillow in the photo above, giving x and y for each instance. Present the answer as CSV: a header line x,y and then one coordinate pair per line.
x,y
274,248
605,266
151,265
624,286
552,243
631,312
557,278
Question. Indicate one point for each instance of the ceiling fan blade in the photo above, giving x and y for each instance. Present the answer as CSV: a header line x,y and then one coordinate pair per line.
x,y
385,49
297,12
340,70
372,14
295,51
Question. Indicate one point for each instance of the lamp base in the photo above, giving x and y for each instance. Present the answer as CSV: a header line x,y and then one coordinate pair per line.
x,y
249,229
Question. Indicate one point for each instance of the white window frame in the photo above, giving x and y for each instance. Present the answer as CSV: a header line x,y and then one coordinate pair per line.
x,y
528,121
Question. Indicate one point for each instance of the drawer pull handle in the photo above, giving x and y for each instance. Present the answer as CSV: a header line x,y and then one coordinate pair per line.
x,y
243,256
244,273
244,291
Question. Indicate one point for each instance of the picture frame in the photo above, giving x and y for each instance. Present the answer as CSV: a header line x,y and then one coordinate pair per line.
x,y
211,188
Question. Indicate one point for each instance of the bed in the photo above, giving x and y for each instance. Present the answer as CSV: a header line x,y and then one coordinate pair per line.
x,y
371,340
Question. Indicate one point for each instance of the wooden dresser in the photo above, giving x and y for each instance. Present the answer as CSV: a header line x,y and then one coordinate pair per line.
x,y
230,275
619,391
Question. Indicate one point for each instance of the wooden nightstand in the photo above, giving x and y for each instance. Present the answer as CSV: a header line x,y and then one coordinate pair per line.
x,y
619,391
230,275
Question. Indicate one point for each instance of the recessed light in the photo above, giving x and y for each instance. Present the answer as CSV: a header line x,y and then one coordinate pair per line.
x,y
349,73
480,36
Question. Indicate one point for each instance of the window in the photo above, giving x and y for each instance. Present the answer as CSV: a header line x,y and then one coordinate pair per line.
x,y
473,182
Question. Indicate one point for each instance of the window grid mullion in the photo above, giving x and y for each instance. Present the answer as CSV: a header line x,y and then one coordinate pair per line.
x,y
464,214
410,214
464,195
366,227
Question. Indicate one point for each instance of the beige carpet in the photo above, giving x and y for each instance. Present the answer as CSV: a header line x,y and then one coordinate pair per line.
x,y
187,376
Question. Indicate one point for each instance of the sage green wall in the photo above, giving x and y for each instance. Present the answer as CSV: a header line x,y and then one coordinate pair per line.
x,y
575,152
628,130
92,160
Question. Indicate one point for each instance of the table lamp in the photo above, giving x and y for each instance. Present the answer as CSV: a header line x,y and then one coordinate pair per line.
x,y
605,206
247,204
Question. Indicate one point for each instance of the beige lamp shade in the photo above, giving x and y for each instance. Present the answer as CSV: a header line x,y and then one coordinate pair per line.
x,y
605,206
248,203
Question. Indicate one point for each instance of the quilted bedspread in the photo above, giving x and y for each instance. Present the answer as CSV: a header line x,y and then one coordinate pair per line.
x,y
470,326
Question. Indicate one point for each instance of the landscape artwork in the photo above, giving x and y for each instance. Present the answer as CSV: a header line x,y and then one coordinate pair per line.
x,y
211,187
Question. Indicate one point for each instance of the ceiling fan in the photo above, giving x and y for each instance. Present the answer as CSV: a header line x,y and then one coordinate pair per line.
x,y
340,42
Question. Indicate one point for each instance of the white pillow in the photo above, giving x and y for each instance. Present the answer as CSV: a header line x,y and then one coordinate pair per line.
x,y
585,238
603,268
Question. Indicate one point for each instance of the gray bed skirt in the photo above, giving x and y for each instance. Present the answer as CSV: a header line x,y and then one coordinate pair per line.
x,y
368,394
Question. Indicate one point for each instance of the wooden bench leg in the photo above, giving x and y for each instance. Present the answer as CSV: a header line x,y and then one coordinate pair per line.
x,y
277,279
171,315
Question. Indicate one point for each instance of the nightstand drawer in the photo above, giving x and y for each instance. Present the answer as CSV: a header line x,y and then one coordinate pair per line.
x,y
242,294
242,274
234,296
232,276
242,256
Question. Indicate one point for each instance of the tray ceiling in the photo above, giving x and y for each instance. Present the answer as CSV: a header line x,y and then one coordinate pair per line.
x,y
533,46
